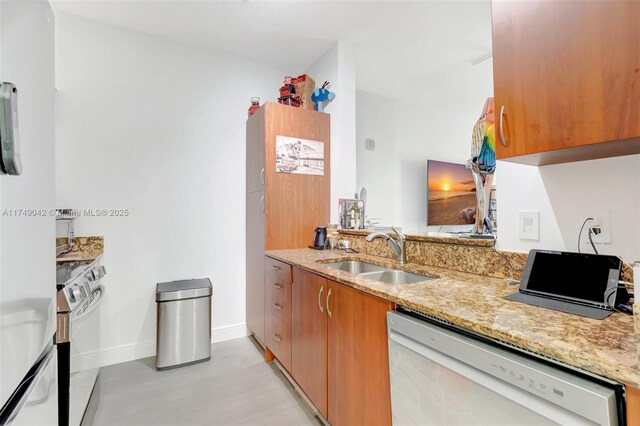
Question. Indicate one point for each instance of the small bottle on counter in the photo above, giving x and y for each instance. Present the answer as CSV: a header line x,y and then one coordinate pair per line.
x,y
255,105
356,214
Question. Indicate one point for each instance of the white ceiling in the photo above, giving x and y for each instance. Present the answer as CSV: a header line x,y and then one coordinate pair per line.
x,y
394,41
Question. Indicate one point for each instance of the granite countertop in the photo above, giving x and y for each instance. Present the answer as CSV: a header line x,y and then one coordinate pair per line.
x,y
77,257
431,237
604,347
84,248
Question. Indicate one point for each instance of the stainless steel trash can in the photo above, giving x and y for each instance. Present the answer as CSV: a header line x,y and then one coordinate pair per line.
x,y
183,322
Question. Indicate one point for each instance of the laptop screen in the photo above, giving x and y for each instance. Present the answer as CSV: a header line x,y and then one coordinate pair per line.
x,y
578,276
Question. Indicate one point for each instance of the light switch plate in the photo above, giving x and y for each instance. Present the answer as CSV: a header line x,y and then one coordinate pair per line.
x,y
528,225
370,144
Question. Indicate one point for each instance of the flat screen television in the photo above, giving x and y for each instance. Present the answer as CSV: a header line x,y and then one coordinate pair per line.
x,y
451,194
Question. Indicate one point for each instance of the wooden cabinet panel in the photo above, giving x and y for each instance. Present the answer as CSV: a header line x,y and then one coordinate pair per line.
x,y
255,265
278,340
358,358
309,336
633,405
568,76
281,270
255,152
282,208
295,203
277,309
277,297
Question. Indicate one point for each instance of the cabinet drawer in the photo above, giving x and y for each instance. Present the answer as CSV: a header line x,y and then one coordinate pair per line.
x,y
278,301
278,340
280,270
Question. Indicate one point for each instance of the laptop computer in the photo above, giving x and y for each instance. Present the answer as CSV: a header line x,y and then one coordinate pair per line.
x,y
576,283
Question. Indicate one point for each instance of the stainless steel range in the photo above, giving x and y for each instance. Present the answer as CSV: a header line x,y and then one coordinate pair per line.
x,y
80,290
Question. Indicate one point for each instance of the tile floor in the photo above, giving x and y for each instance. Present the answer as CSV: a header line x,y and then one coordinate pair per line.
x,y
235,388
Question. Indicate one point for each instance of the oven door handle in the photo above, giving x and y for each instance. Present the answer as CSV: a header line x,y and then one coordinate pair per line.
x,y
97,294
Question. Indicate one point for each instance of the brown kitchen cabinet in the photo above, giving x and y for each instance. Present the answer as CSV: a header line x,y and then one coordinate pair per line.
x,y
277,309
358,358
309,336
254,260
566,80
339,351
282,209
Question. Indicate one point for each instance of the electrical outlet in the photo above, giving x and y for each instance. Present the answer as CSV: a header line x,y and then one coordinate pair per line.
x,y
601,220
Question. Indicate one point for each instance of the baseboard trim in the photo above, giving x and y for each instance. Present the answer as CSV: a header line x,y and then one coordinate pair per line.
x,y
124,353
229,332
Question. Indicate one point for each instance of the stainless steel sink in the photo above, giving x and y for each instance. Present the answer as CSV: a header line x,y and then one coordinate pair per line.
x,y
393,276
378,273
355,267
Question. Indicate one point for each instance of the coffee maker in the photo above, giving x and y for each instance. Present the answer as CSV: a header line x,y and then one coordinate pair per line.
x,y
319,238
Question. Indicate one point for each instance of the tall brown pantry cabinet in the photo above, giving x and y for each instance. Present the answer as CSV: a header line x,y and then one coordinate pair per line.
x,y
283,207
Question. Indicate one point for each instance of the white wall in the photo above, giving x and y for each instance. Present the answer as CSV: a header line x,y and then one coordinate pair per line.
x,y
378,169
407,133
410,129
565,195
157,128
338,67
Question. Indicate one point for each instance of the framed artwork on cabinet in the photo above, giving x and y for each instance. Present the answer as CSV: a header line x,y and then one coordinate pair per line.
x,y
299,156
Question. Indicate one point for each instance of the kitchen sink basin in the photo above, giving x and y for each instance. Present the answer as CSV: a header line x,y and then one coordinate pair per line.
x,y
378,273
355,267
393,276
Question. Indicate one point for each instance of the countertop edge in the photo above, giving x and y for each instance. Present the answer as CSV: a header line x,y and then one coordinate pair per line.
x,y
436,238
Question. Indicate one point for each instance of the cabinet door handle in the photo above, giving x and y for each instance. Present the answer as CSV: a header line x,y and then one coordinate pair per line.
x,y
320,299
276,337
503,141
278,286
277,306
277,268
262,204
262,176
328,296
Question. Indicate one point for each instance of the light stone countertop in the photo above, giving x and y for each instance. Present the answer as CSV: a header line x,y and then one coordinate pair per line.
x,y
84,249
474,302
431,237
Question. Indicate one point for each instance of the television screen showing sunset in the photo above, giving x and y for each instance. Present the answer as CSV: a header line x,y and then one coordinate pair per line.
x,y
451,194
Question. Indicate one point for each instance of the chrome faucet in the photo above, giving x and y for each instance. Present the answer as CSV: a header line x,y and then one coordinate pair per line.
x,y
396,245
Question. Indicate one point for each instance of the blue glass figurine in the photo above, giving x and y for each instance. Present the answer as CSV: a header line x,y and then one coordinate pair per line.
x,y
322,95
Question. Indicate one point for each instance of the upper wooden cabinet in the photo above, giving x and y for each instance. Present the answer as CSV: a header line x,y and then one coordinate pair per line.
x,y
566,80
294,204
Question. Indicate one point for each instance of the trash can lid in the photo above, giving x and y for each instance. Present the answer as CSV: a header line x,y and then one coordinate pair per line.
x,y
183,289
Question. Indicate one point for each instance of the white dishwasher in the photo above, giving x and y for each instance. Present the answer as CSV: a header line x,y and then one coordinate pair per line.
x,y
443,377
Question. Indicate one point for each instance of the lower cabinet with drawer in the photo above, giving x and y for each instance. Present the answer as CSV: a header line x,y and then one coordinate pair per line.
x,y
277,310
332,340
339,353
278,340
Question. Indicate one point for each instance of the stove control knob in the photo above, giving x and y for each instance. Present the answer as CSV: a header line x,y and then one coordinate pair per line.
x,y
102,271
76,292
